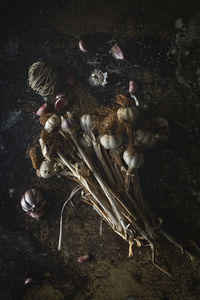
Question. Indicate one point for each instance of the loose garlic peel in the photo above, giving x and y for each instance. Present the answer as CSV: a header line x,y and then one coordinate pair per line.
x,y
111,141
128,114
145,138
52,123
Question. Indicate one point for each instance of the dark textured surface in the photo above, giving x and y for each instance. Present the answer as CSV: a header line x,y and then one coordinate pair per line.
x,y
166,70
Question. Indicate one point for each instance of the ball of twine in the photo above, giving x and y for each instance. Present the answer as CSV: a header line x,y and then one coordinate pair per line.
x,y
42,78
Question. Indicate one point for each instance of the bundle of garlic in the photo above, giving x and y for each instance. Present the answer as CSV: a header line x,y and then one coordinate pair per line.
x,y
102,151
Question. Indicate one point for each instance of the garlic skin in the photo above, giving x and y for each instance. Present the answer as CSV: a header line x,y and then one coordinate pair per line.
x,y
98,78
128,114
88,122
111,141
133,158
32,202
47,169
144,138
52,123
117,52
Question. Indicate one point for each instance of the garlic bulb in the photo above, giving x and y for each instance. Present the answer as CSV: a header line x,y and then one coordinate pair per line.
x,y
68,122
88,122
32,202
144,138
128,114
98,78
47,169
133,158
111,141
52,123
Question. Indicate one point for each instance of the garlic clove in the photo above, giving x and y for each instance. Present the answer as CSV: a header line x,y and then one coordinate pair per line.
x,y
82,46
52,123
117,52
84,258
61,103
111,141
32,202
132,87
42,110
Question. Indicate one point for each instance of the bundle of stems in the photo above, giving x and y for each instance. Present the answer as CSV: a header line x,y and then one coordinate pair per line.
x,y
98,151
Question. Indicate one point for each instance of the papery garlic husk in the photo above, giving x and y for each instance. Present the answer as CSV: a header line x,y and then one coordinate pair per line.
x,y
111,141
86,143
128,114
145,138
88,122
32,201
47,169
52,123
133,158
68,122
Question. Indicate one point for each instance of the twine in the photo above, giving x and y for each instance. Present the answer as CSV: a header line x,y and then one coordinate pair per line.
x,y
42,78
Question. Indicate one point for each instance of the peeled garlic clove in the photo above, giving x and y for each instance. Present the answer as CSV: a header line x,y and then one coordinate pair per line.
x,y
42,110
117,52
133,158
128,114
47,169
52,123
145,138
88,122
111,141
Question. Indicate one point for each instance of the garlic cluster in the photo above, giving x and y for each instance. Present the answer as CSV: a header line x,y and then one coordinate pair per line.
x,y
32,202
52,122
133,158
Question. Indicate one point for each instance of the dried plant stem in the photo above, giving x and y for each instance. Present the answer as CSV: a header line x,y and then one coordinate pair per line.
x,y
85,184
101,182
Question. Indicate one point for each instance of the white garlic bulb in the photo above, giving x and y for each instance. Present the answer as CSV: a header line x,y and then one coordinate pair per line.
x,y
52,123
145,138
133,158
88,122
128,114
47,169
111,141
98,78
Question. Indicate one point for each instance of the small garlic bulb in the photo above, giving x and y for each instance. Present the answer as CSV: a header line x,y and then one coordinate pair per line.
x,y
128,114
32,202
52,123
68,122
133,159
88,122
47,169
111,141
145,138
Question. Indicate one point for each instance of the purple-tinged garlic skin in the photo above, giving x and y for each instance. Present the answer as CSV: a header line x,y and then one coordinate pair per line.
x,y
61,102
68,122
117,52
84,258
52,123
42,110
28,280
32,202
111,141
98,78
144,138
